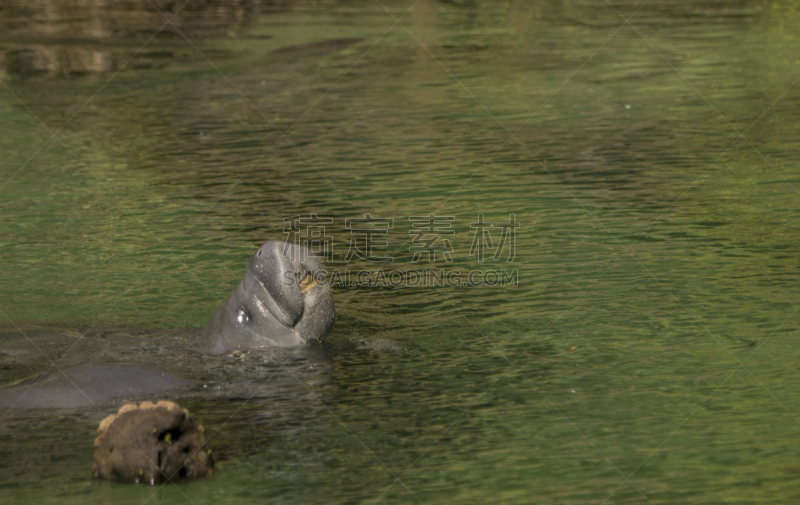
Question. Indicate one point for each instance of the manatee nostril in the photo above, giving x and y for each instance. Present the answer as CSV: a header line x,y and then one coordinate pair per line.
x,y
243,316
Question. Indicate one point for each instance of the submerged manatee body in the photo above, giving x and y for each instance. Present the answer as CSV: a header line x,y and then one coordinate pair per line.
x,y
84,385
282,301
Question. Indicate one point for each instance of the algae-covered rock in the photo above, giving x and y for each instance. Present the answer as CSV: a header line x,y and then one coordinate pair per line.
x,y
151,442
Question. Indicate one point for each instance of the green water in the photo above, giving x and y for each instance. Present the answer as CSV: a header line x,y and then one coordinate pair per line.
x,y
645,356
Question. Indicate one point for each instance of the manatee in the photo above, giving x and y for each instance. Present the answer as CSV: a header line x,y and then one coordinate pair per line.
x,y
89,384
282,301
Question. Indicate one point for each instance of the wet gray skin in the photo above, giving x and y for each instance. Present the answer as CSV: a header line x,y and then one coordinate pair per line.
x,y
282,301
84,385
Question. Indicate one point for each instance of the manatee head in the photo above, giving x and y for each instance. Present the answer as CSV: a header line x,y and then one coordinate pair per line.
x,y
282,301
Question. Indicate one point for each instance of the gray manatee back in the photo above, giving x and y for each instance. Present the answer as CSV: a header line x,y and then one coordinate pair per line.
x,y
85,385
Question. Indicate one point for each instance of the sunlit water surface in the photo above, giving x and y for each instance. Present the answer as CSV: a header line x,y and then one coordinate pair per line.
x,y
651,332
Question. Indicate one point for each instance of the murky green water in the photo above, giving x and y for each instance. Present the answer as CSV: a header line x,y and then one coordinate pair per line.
x,y
651,334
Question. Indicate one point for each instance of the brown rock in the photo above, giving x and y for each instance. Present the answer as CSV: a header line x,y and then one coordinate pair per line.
x,y
151,442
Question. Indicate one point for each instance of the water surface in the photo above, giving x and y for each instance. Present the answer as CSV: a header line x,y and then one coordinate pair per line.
x,y
651,169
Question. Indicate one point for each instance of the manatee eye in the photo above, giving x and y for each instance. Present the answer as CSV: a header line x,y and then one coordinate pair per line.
x,y
243,316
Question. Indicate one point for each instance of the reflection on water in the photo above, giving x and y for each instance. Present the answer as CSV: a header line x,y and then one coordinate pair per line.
x,y
654,252
68,39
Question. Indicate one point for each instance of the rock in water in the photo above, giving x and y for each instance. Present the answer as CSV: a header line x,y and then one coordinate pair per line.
x,y
151,442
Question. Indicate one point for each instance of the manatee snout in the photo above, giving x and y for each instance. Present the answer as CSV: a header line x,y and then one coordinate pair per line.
x,y
304,278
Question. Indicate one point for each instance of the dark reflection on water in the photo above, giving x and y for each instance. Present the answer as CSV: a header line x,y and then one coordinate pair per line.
x,y
69,39
655,250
